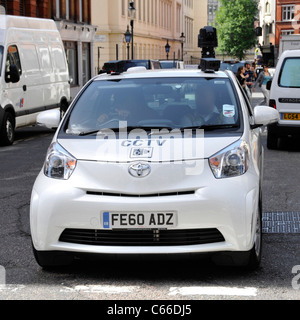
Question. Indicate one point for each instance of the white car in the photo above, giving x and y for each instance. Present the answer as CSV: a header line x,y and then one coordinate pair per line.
x,y
153,163
284,96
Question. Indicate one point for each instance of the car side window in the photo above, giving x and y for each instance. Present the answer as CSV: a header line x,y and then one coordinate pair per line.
x,y
13,58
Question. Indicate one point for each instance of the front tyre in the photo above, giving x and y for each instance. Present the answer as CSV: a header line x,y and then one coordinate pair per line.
x,y
7,131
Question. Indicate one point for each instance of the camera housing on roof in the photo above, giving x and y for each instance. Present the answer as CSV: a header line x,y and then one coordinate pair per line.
x,y
208,41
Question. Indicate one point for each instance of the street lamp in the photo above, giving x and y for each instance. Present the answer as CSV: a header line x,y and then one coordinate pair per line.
x,y
127,35
167,48
182,37
131,14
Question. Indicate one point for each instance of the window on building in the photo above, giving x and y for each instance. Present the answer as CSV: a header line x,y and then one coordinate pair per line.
x,y
287,32
288,12
3,3
268,7
71,54
140,9
86,63
86,11
63,9
72,10
22,8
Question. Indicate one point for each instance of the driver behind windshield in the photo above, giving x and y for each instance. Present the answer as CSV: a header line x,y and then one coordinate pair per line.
x,y
126,107
207,112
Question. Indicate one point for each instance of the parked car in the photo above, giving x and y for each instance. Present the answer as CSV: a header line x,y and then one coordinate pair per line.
x,y
123,65
232,65
284,97
153,163
171,64
35,73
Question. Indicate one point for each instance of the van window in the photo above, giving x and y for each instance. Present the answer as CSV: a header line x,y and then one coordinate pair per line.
x,y
59,58
45,58
31,62
13,58
290,73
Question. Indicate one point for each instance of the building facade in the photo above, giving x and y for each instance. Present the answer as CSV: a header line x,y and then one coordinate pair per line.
x,y
267,22
287,18
156,23
73,20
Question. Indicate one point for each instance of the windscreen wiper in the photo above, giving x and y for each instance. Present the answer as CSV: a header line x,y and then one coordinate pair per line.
x,y
209,127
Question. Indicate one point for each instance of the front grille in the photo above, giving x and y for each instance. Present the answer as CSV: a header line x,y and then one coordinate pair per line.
x,y
141,237
162,194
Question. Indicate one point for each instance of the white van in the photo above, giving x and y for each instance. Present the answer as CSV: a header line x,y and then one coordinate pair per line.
x,y
285,97
34,73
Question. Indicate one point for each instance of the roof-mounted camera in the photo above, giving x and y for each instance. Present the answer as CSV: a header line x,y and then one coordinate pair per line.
x,y
208,41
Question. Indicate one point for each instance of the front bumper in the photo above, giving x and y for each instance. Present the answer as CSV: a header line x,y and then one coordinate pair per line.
x,y
228,205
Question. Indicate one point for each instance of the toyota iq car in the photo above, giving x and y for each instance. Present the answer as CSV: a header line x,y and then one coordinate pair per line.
x,y
163,162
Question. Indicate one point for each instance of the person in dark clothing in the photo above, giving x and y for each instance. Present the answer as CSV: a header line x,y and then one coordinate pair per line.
x,y
249,75
241,78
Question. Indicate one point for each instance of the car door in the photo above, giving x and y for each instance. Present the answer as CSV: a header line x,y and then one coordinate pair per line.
x,y
13,93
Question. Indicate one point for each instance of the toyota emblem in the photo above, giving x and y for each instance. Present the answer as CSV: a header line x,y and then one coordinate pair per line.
x,y
139,170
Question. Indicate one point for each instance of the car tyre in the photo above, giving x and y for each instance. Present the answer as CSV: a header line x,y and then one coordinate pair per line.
x,y
7,132
50,259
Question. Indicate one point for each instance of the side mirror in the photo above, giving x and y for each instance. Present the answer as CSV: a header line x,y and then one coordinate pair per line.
x,y
264,115
13,75
268,85
49,119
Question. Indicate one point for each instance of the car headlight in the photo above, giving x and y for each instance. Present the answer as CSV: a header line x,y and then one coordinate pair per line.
x,y
230,162
59,164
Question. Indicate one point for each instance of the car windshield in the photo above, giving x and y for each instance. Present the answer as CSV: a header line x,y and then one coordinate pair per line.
x,y
151,103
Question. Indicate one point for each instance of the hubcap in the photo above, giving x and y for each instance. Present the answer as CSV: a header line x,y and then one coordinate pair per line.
x,y
9,130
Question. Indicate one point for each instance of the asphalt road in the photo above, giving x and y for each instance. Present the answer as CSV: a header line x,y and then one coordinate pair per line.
x,y
23,279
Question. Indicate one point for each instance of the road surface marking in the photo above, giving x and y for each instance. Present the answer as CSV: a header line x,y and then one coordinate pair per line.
x,y
213,291
100,289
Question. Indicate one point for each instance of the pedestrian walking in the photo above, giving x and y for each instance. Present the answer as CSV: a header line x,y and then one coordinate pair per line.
x,y
250,76
243,80
263,78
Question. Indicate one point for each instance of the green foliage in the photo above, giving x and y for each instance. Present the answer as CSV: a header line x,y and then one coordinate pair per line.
x,y
235,26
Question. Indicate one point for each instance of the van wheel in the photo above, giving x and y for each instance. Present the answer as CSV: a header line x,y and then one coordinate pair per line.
x,y
7,133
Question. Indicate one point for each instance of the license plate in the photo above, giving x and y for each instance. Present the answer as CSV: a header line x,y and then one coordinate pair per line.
x,y
290,116
139,220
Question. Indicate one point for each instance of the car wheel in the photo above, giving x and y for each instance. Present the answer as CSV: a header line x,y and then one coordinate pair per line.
x,y
255,253
7,134
50,259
